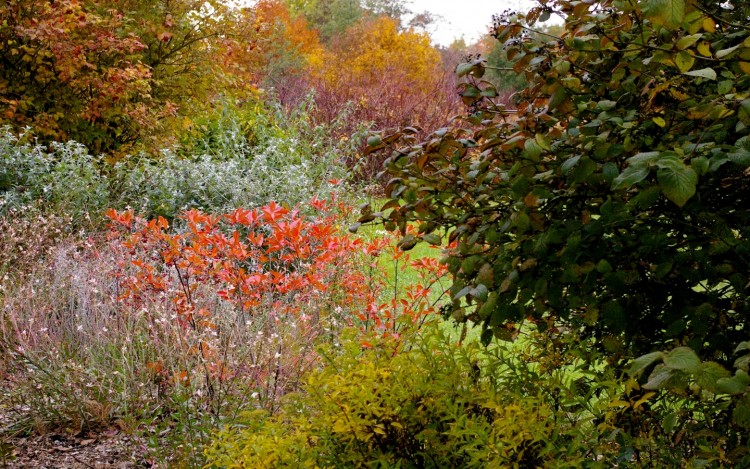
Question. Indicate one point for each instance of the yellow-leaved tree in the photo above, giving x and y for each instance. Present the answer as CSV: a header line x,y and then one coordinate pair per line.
x,y
387,76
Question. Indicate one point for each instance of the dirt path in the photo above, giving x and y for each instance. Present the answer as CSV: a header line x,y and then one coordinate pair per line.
x,y
108,449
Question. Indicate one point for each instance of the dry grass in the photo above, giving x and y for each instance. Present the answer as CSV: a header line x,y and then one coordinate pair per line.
x,y
75,356
27,235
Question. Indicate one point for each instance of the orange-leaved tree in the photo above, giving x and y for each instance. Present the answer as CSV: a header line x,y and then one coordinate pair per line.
x,y
110,73
288,48
69,72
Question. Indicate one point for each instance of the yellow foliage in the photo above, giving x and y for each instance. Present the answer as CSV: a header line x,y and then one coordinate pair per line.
x,y
301,38
370,51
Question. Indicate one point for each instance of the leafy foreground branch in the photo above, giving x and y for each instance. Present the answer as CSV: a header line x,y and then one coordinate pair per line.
x,y
615,205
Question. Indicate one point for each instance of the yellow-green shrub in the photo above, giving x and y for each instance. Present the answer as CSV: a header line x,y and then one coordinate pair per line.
x,y
427,406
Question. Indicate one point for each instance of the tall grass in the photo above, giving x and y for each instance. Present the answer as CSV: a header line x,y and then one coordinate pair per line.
x,y
76,357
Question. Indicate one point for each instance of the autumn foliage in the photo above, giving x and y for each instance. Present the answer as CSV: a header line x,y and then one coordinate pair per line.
x,y
110,74
383,76
60,59
121,76
269,261
389,76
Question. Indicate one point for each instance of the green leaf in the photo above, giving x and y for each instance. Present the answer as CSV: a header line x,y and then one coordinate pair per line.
x,y
744,112
606,105
659,121
408,242
489,92
688,41
670,160
569,164
725,86
480,292
558,96
643,362
663,269
583,170
609,171
669,422
658,377
374,141
462,293
741,413
643,157
707,73
669,13
709,375
684,62
700,165
631,176
543,142
486,337
741,157
678,184
743,363
470,264
683,359
464,68
486,310
603,266
724,52
737,384
471,91
532,150
432,238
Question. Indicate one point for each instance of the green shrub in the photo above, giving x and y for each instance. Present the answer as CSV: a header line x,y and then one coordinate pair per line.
x,y
236,158
66,177
612,210
239,157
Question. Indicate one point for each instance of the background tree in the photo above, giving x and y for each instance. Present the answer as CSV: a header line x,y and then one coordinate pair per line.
x,y
332,18
329,18
385,77
70,72
290,49
110,73
183,39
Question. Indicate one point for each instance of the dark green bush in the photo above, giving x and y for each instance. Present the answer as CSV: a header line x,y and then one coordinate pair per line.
x,y
617,201
613,210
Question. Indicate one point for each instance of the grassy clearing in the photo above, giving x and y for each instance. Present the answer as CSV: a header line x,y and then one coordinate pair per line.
x,y
399,270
